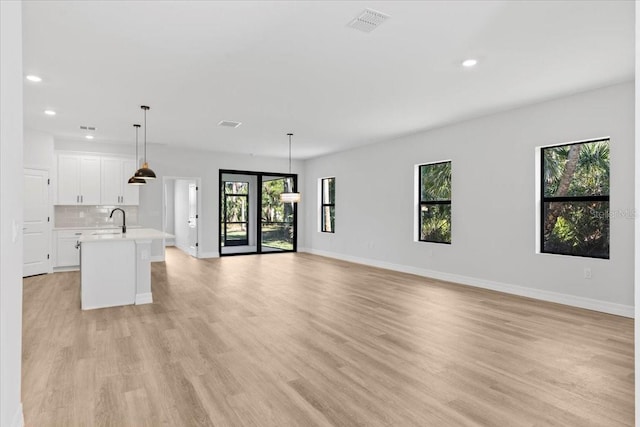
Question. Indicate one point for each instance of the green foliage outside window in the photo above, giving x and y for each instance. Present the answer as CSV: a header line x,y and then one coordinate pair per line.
x,y
435,202
277,217
575,217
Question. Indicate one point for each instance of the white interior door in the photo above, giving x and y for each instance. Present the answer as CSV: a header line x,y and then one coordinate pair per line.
x,y
185,216
36,227
193,219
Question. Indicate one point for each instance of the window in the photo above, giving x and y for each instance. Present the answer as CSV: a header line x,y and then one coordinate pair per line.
x,y
434,193
235,214
328,205
575,199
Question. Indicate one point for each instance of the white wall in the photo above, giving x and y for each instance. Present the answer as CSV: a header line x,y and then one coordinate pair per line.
x,y
38,150
11,171
181,214
637,230
167,161
169,202
493,202
95,147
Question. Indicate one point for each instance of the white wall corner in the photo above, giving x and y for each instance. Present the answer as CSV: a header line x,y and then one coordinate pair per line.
x,y
543,295
205,255
637,223
18,419
146,298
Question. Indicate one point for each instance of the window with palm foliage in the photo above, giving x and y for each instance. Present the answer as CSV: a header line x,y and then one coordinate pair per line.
x,y
575,199
435,203
328,205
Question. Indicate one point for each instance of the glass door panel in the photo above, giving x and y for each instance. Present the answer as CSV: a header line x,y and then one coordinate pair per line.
x,y
277,218
234,225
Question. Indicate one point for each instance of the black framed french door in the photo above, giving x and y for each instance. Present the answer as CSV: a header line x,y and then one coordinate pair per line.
x,y
270,225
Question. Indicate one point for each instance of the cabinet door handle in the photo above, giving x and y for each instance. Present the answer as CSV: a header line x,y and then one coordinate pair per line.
x,y
77,199
82,199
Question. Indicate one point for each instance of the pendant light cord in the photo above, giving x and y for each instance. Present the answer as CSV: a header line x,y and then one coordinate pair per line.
x,y
290,135
137,159
289,154
145,135
145,108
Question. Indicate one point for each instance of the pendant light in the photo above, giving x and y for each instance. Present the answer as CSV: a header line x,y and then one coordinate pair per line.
x,y
145,172
290,196
133,180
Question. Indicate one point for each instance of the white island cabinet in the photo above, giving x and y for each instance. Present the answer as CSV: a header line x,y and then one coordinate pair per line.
x,y
115,267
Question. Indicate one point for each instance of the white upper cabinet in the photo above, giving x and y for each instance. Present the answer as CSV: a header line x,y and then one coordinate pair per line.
x,y
130,193
78,180
115,190
111,181
90,181
95,180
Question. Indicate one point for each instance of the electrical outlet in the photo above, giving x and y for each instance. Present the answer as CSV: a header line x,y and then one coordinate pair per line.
x,y
587,273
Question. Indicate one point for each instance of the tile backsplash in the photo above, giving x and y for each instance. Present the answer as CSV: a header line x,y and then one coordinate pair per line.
x,y
93,216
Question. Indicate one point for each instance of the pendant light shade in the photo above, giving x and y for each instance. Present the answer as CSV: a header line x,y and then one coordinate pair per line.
x,y
136,181
133,180
145,172
290,196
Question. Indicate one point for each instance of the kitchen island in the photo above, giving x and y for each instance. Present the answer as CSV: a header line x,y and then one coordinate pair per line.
x,y
115,267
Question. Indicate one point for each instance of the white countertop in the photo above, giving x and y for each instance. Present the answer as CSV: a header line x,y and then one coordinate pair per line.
x,y
131,234
96,227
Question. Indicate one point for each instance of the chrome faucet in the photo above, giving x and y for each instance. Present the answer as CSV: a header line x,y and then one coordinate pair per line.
x,y
124,219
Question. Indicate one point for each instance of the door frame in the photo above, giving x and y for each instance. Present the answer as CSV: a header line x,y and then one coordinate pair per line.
x,y
198,181
258,218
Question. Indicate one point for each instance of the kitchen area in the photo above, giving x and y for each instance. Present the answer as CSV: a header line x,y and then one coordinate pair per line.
x,y
82,215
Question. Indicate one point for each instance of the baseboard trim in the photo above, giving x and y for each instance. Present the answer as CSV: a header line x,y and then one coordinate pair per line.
x,y
204,255
145,298
543,295
18,418
157,258
65,269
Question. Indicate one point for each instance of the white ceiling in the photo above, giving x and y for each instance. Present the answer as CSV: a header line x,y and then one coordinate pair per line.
x,y
287,66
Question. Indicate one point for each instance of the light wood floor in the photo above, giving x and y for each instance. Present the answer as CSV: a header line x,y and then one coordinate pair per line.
x,y
300,340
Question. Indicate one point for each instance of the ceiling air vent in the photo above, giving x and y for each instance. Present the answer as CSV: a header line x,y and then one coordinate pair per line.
x,y
229,124
88,127
368,20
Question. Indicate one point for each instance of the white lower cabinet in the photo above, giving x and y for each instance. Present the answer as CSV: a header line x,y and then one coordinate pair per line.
x,y
67,254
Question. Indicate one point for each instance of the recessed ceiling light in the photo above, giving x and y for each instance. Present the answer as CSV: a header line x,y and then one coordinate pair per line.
x,y
89,136
468,63
33,78
50,112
